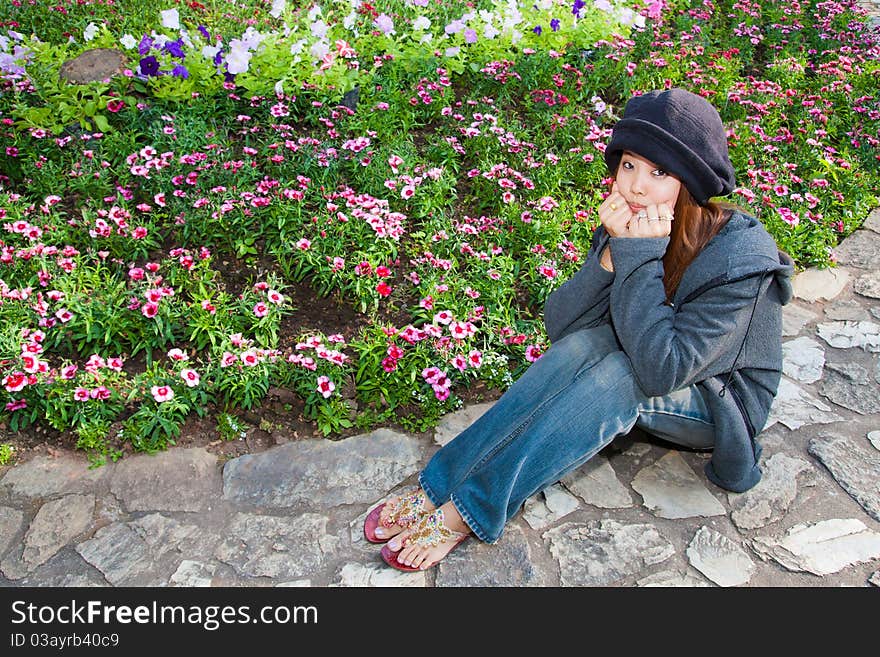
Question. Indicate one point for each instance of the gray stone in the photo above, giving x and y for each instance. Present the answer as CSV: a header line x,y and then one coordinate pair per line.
x,y
803,359
670,489
55,525
861,249
868,285
176,480
794,407
845,335
270,546
853,373
847,310
720,559
453,424
597,484
875,579
822,548
323,473
509,563
795,317
356,575
44,476
874,438
549,506
670,578
855,468
854,395
146,551
873,221
11,521
65,569
814,284
94,65
770,499
193,574
604,552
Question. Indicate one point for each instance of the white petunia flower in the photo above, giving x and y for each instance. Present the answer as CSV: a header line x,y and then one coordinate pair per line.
x,y
170,19
277,8
128,42
90,32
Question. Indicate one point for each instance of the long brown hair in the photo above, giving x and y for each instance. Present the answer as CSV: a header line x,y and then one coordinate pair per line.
x,y
692,229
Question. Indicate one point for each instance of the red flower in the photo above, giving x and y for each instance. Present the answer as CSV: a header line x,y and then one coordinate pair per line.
x,y
115,105
383,289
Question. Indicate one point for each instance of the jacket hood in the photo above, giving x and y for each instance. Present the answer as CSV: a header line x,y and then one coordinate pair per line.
x,y
741,249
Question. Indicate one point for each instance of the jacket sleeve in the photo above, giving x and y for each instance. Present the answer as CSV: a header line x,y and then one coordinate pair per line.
x,y
583,300
671,348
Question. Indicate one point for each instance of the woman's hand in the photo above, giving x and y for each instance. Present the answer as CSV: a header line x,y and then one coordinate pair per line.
x,y
619,220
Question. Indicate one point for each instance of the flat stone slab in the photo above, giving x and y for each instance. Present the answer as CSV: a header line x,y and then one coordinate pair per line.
x,y
861,250
11,522
847,310
603,552
323,473
848,385
855,467
846,335
719,559
671,578
358,575
272,546
146,551
822,548
671,489
176,480
454,423
192,574
873,221
44,476
795,317
874,438
507,563
54,526
868,285
548,507
794,407
597,484
771,498
814,284
803,359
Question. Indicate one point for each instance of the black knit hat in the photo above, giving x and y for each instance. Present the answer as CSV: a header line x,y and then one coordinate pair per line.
x,y
680,132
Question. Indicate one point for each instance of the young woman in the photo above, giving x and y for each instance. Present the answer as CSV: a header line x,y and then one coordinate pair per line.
x,y
672,324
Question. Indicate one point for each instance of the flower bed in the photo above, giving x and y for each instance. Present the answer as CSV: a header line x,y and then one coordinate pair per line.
x,y
434,166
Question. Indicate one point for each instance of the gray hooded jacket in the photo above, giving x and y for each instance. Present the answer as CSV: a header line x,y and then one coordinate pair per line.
x,y
723,331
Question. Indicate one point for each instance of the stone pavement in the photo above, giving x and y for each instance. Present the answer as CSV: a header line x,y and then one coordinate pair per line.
x,y
639,514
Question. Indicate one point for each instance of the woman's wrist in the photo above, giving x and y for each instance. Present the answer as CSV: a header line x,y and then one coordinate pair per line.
x,y
605,259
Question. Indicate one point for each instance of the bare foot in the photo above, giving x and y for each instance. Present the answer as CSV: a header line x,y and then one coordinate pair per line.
x,y
398,513
431,538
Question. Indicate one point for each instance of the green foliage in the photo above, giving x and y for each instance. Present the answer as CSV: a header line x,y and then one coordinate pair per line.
x,y
7,452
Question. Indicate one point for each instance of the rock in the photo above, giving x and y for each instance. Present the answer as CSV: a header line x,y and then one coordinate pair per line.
x,y
597,484
855,468
358,575
795,317
847,310
770,499
795,408
861,249
720,559
94,65
814,284
508,562
822,548
44,476
670,578
845,335
454,423
11,521
670,489
603,552
874,438
548,507
803,359
868,285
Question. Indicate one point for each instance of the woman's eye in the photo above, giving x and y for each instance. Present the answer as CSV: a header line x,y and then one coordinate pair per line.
x,y
659,172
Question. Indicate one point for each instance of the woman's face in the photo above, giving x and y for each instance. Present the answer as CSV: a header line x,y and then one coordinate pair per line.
x,y
642,183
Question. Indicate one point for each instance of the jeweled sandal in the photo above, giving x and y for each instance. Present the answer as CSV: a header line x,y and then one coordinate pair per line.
x,y
429,531
404,513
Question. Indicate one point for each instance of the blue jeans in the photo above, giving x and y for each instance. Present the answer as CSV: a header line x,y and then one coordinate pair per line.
x,y
568,405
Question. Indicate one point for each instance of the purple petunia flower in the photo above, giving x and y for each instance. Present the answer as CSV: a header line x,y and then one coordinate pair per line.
x,y
175,48
576,7
470,36
180,71
149,66
145,45
554,25
205,33
537,30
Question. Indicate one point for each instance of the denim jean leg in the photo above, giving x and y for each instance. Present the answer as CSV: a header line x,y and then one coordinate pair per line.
x,y
598,404
542,381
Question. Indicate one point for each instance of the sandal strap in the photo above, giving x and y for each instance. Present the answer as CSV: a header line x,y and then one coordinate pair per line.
x,y
408,509
430,531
